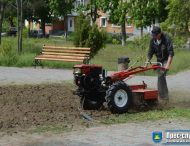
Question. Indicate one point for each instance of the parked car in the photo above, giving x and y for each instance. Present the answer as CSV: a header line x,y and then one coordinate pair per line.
x,y
36,33
12,31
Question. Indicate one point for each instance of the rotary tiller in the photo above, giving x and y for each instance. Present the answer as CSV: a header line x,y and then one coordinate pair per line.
x,y
95,88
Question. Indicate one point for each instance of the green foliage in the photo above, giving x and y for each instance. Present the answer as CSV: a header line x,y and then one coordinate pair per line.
x,y
179,42
71,36
115,41
5,27
96,40
60,7
7,54
25,32
89,36
142,44
179,13
117,10
143,13
165,26
82,31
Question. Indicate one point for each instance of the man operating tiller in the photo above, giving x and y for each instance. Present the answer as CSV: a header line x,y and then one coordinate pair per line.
x,y
161,46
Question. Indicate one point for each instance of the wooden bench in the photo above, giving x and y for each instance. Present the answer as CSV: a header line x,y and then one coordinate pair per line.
x,y
66,54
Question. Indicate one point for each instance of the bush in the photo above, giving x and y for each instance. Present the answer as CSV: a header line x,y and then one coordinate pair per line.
x,y
112,38
89,36
109,38
115,41
82,31
142,44
96,40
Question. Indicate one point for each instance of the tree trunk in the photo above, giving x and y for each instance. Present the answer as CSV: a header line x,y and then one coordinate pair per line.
x,y
29,21
43,24
93,11
187,28
2,7
141,31
66,26
19,20
123,32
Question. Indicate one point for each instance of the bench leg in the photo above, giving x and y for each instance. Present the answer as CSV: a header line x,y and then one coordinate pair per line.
x,y
86,61
37,63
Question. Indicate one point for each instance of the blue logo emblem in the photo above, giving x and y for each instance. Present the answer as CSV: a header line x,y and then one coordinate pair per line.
x,y
157,137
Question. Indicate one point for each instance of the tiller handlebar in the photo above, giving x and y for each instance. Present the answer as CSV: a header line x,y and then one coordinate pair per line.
x,y
121,75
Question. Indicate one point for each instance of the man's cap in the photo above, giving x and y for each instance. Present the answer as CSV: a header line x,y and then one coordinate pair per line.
x,y
156,30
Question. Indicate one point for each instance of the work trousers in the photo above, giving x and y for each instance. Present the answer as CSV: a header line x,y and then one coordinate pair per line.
x,y
162,83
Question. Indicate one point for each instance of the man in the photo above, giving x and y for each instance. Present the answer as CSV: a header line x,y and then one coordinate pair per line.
x,y
161,46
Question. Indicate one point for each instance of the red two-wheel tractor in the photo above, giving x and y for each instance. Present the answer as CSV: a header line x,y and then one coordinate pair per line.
x,y
95,88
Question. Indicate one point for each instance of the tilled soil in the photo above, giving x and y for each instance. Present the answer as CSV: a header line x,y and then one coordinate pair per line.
x,y
23,107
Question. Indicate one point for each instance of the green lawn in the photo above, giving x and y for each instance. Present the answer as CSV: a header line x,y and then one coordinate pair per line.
x,y
106,57
152,115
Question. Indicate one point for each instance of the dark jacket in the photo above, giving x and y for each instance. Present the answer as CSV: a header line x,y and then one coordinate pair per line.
x,y
163,50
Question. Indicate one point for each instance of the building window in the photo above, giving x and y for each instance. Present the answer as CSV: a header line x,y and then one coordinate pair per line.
x,y
103,21
71,23
79,3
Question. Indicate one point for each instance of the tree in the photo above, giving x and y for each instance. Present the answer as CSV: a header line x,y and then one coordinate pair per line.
x,y
19,24
2,9
61,8
162,10
37,10
42,11
179,13
3,4
89,36
117,10
143,12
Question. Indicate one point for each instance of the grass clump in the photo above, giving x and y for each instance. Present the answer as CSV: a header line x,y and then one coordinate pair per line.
x,y
174,113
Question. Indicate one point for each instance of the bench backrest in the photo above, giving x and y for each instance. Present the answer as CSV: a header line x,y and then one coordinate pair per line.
x,y
68,52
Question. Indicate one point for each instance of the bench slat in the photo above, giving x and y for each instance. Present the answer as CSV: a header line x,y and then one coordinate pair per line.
x,y
61,57
55,59
65,54
66,51
71,48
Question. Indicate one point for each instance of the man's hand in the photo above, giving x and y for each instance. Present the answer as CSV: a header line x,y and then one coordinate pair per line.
x,y
146,63
167,67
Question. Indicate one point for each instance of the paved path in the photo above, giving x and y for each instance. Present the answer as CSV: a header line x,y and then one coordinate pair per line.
x,y
129,134
12,75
